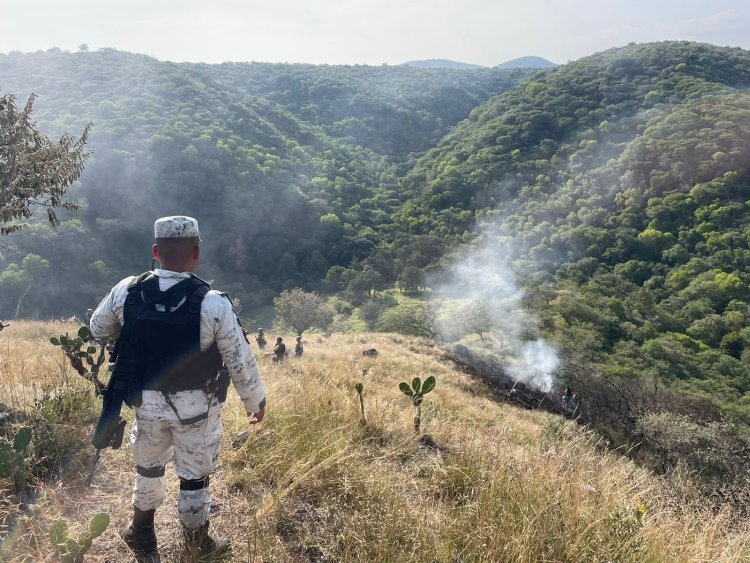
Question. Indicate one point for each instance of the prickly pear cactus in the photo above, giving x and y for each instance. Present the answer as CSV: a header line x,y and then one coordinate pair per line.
x,y
85,354
71,549
416,393
13,459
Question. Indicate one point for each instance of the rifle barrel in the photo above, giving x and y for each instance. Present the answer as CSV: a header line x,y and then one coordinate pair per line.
x,y
92,470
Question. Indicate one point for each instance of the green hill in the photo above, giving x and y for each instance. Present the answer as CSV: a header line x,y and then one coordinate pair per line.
x,y
527,62
622,181
615,187
288,166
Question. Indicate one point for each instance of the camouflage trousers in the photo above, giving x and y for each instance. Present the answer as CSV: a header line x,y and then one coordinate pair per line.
x,y
158,436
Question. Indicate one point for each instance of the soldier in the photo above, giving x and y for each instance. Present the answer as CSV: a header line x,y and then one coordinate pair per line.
x,y
298,348
182,334
260,339
569,401
279,351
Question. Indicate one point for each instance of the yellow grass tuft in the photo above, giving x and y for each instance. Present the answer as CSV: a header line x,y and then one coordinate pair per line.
x,y
488,482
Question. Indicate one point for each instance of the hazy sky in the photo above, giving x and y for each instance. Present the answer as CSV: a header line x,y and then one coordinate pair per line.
x,y
484,32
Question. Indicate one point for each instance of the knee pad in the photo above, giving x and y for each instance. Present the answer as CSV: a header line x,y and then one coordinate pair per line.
x,y
194,484
152,472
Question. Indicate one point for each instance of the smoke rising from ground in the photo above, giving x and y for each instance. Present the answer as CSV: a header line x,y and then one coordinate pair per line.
x,y
479,293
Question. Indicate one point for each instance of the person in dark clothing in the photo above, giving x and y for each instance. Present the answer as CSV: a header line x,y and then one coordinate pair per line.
x,y
569,401
298,348
279,351
260,338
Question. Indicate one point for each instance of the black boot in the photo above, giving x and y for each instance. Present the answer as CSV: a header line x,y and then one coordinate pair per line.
x,y
140,537
199,543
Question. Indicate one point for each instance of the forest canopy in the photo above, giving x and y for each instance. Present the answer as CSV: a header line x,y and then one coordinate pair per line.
x,y
621,181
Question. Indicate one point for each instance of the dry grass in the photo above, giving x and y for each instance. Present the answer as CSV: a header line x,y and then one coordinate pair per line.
x,y
493,483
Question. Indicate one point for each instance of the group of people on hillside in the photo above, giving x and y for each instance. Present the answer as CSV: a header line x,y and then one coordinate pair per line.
x,y
279,350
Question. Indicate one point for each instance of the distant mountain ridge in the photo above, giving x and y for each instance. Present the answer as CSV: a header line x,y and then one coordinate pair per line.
x,y
520,62
440,63
527,62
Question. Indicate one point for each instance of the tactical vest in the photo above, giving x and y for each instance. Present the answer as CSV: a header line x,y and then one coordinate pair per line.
x,y
162,332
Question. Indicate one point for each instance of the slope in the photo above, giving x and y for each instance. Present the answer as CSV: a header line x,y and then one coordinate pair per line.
x,y
491,482
392,110
621,180
166,141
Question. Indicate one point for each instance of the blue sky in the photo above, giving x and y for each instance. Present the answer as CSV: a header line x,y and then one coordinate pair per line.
x,y
366,31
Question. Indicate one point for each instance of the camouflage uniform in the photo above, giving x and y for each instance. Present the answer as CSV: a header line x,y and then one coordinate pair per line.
x,y
158,435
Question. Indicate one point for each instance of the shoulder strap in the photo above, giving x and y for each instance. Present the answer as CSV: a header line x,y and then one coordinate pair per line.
x,y
145,289
194,305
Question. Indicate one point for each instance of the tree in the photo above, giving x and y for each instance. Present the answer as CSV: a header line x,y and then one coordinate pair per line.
x,y
34,171
415,318
301,310
411,280
364,284
475,318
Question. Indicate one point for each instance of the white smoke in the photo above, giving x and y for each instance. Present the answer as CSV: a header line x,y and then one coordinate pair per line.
x,y
479,292
538,362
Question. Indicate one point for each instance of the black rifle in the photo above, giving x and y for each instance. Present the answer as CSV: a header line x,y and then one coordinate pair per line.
x,y
110,428
83,358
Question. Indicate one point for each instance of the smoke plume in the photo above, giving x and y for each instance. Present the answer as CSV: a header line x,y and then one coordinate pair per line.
x,y
479,293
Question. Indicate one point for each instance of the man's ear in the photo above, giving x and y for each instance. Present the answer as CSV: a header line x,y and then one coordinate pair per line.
x,y
155,251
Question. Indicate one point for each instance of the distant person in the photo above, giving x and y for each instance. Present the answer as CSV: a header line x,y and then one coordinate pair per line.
x,y
569,401
175,334
260,339
279,351
298,348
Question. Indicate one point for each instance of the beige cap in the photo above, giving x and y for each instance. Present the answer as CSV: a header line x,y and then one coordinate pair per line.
x,y
177,226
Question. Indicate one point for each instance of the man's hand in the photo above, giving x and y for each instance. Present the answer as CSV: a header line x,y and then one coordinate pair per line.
x,y
256,417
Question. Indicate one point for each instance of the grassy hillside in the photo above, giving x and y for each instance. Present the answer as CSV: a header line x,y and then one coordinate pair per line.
x,y
492,483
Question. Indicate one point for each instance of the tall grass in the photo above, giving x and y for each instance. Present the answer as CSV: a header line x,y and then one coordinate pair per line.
x,y
489,483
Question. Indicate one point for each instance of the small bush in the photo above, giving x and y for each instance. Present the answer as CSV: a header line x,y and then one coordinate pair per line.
x,y
719,451
342,307
370,313
55,446
72,405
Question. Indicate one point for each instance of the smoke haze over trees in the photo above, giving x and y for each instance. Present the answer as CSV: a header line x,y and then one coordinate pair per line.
x,y
621,179
290,169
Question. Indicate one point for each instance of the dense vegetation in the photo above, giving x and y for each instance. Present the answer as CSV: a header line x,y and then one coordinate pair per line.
x,y
283,192
620,180
623,181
